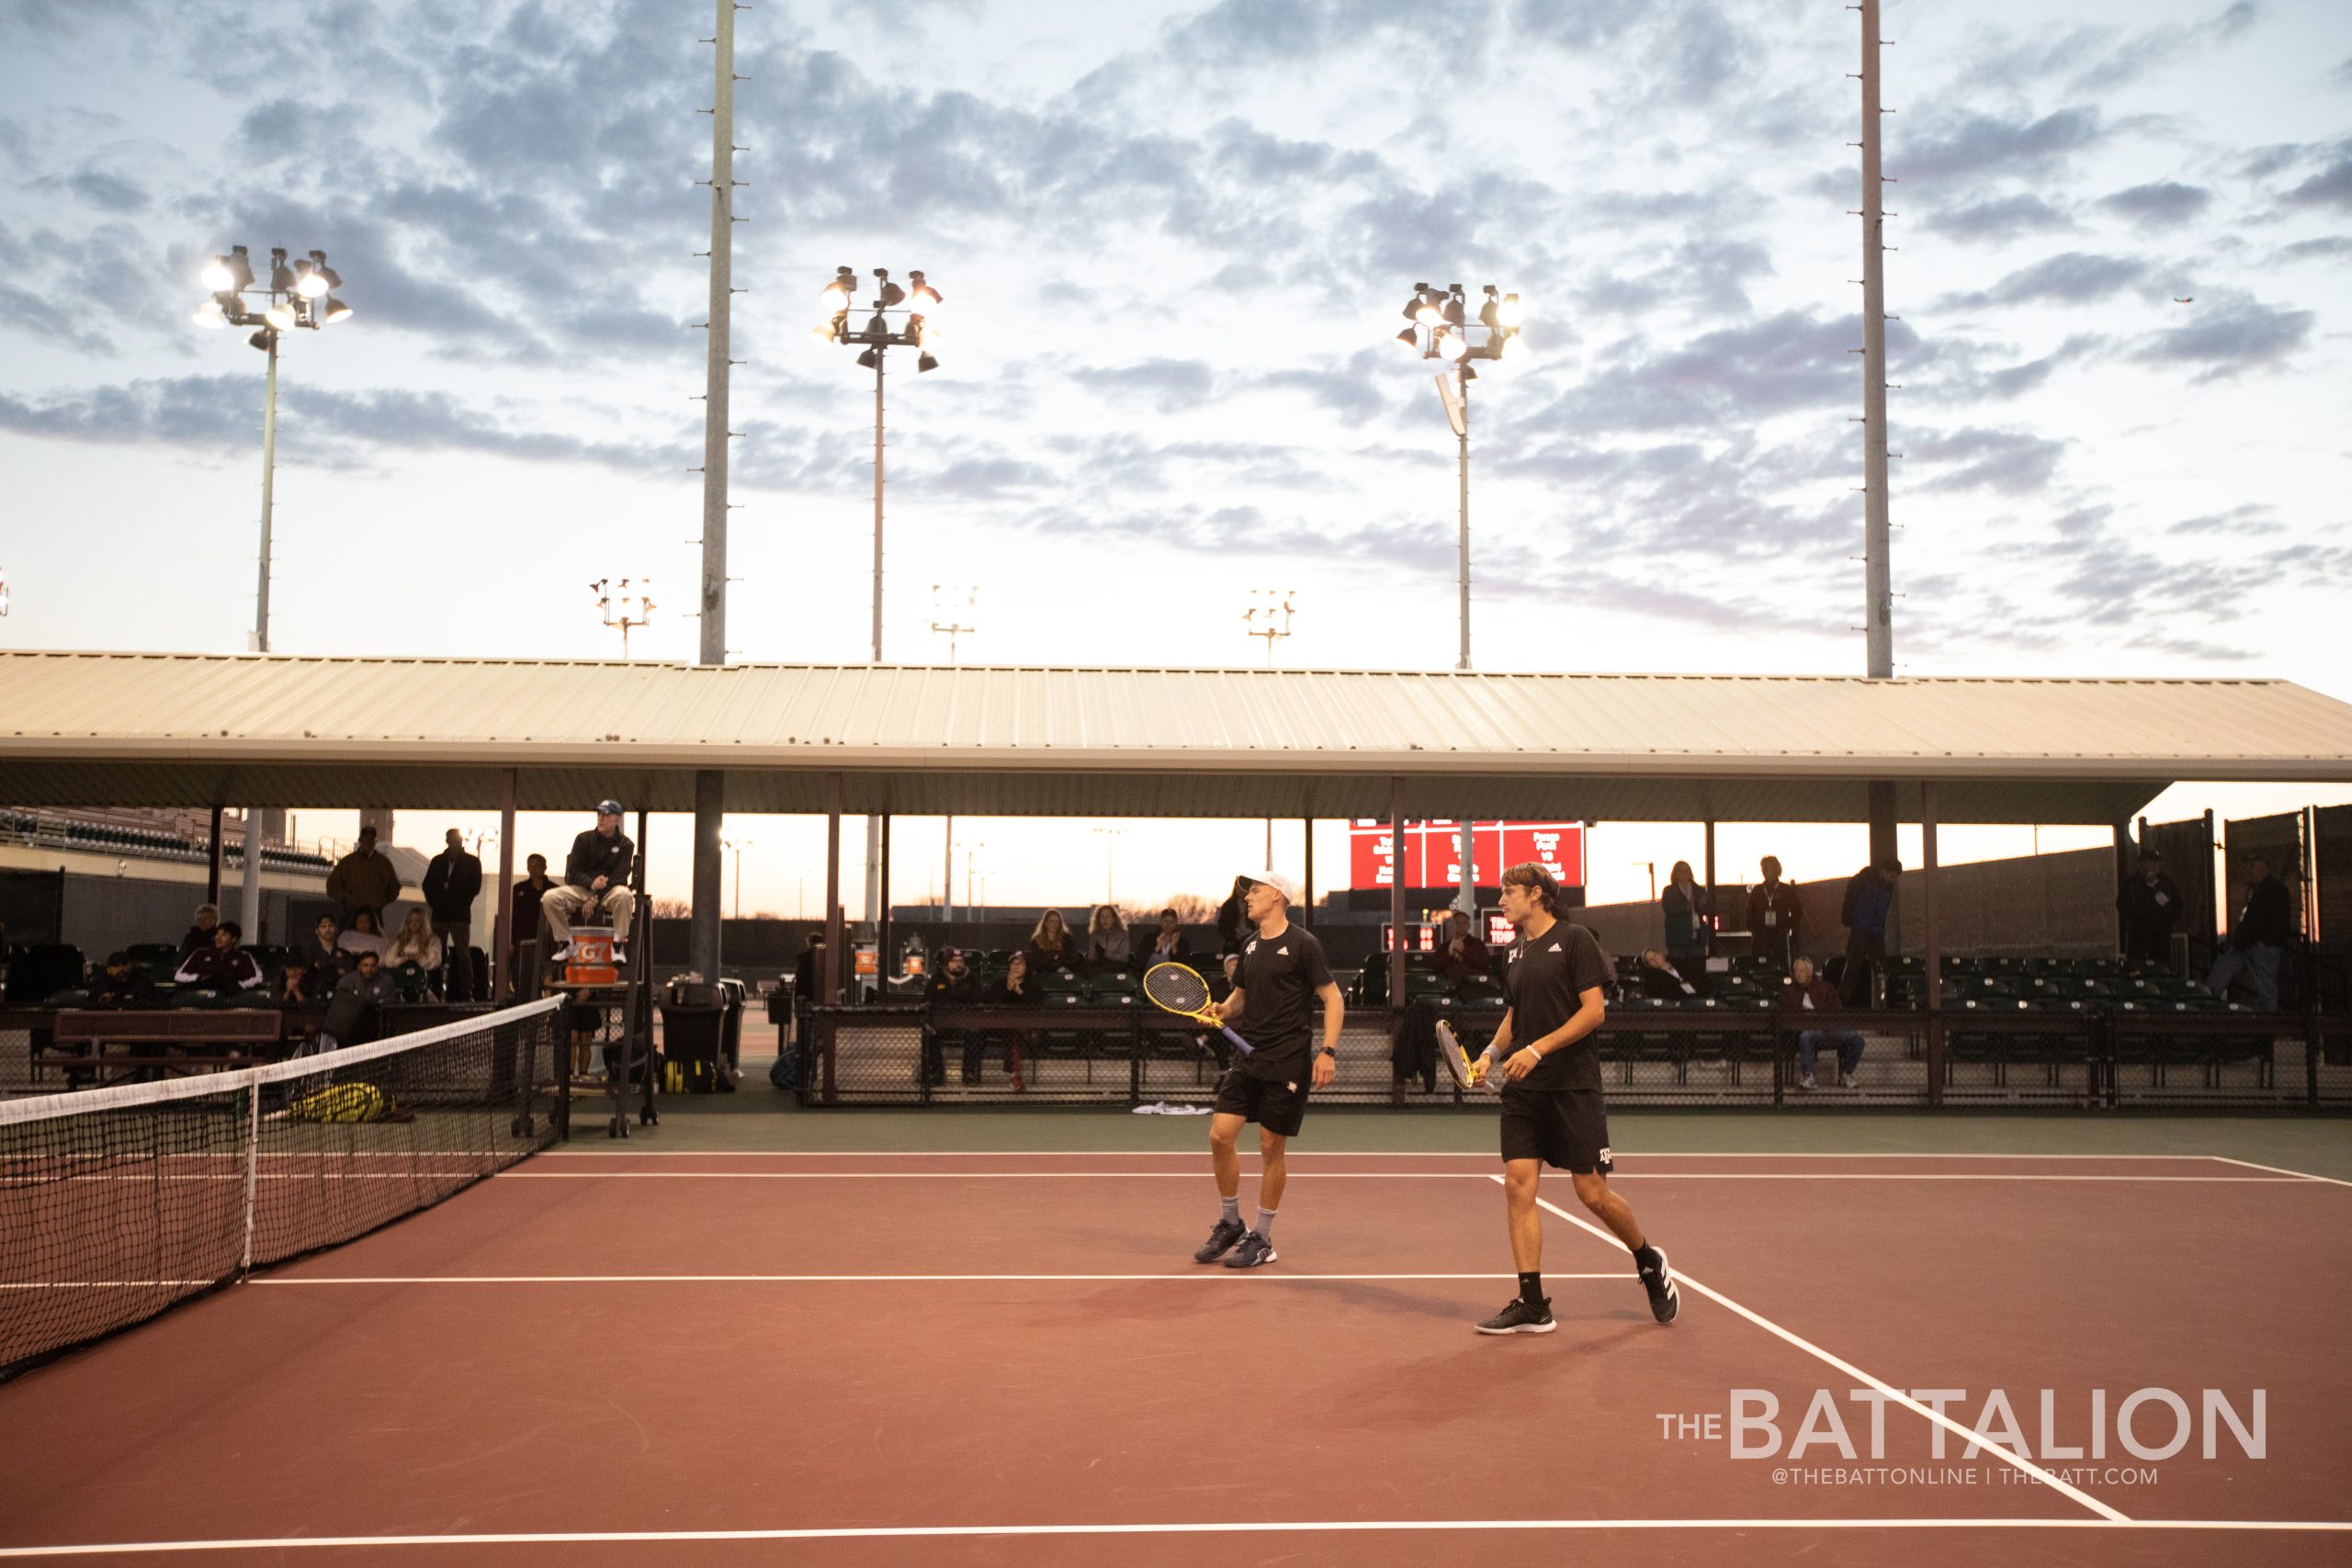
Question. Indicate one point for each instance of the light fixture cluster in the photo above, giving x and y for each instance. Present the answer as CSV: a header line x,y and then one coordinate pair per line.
x,y
1439,326
300,293
916,299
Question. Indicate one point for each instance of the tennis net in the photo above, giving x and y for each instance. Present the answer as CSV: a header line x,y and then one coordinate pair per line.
x,y
116,1203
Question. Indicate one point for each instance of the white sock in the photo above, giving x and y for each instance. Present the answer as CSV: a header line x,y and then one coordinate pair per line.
x,y
1232,1209
1265,1225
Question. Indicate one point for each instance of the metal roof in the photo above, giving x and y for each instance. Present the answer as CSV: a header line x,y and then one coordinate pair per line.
x,y
139,729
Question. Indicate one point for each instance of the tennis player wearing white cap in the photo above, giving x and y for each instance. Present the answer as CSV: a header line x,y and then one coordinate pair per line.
x,y
1282,968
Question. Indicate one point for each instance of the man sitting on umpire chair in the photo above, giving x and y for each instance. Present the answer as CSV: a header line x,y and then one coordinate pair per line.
x,y
595,872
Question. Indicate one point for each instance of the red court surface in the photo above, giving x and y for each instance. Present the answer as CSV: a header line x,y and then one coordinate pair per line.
x,y
846,1359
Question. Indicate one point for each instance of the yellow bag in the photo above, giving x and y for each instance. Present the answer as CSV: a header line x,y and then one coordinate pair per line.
x,y
340,1102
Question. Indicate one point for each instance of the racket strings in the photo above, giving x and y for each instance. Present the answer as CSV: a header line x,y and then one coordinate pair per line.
x,y
1176,988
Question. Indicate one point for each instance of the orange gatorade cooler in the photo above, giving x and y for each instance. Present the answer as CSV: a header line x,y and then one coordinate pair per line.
x,y
592,957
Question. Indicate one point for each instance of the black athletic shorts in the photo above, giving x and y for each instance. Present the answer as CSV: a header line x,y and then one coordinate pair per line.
x,y
1564,1127
1277,1104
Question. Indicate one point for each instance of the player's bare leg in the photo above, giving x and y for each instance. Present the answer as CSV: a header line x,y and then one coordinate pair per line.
x,y
1224,1158
1526,1221
1594,1192
1270,1148
1226,1161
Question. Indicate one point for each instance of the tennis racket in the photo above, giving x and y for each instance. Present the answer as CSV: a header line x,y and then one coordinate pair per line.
x,y
1174,989
1450,1052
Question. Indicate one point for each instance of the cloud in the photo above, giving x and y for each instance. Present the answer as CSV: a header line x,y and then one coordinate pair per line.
x,y
1170,386
2226,332
2071,278
2164,204
2012,462
219,412
1982,143
2332,186
1997,220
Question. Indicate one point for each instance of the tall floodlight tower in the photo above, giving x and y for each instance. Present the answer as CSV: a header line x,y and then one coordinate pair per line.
x,y
1878,590
710,788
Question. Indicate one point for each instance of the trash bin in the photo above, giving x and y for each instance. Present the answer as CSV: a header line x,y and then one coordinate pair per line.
x,y
694,1018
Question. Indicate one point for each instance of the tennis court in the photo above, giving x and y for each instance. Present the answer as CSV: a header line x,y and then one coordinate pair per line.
x,y
868,1357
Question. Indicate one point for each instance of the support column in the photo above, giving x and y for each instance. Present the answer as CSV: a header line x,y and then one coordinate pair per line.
x,y
1715,923
882,927
249,902
709,894
1935,943
1468,899
1397,892
502,915
829,989
1883,843
212,873
1307,887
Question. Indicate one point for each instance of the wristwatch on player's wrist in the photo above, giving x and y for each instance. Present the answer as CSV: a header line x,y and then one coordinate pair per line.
x,y
1327,1051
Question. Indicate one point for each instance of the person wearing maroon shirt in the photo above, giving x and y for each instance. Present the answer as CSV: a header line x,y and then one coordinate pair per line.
x,y
1553,1112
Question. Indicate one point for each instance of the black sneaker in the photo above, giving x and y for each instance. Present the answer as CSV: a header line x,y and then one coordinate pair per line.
x,y
1221,1241
1522,1316
1665,1302
1255,1252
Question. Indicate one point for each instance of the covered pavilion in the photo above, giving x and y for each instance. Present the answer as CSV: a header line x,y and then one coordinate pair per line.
x,y
273,730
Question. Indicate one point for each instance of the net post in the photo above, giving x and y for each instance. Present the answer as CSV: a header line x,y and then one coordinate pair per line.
x,y
253,1165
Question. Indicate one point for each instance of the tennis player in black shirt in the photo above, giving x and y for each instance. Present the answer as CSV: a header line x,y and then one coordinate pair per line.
x,y
1281,970
1551,1093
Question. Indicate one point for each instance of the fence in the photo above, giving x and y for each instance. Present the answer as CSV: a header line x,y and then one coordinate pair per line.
x,y
1967,1057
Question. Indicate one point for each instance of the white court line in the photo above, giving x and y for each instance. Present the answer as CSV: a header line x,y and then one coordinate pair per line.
x,y
2282,1170
1810,1349
1272,1526
1310,1175
844,1278
1320,1153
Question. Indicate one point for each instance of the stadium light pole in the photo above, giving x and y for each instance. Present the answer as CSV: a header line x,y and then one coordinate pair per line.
x,y
1277,604
917,303
951,628
297,296
1437,326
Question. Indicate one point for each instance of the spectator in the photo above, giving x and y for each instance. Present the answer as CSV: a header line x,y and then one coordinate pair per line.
x,y
363,934
121,986
523,907
1689,912
1870,898
595,872
299,985
224,969
1463,956
1168,945
451,884
355,1006
1802,993
2146,909
1657,976
1017,990
2258,937
323,954
414,944
808,974
1774,915
1107,936
1050,946
586,1021
952,984
364,879
200,933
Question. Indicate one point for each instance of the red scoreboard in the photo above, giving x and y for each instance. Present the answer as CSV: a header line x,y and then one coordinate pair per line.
x,y
1433,853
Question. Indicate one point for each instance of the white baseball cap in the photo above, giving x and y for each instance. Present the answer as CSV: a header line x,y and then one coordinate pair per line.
x,y
1286,886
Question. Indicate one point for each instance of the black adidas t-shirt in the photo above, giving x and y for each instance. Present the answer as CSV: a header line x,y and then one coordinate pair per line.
x,y
1543,982
1279,977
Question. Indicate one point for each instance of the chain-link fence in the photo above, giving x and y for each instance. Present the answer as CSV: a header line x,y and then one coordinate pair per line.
x,y
1650,1056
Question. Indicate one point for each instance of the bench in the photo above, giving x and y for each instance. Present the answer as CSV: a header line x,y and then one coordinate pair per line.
x,y
259,1029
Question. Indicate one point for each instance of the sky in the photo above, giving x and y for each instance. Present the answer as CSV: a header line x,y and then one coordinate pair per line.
x,y
1173,241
